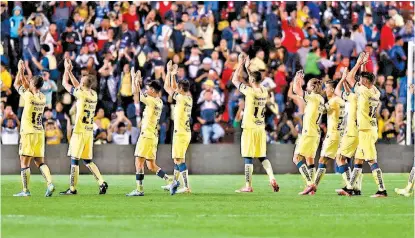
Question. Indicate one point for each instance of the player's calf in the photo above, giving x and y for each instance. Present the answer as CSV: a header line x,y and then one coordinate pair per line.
x,y
103,186
378,176
249,169
268,168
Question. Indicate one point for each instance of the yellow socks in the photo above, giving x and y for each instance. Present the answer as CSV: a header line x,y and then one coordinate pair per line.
x,y
44,169
25,174
95,171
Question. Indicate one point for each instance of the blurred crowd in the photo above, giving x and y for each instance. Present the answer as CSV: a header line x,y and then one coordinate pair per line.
x,y
106,39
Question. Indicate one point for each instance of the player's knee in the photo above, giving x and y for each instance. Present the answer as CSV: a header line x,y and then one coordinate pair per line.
x,y
178,161
373,165
182,167
248,160
358,161
262,159
151,165
75,161
86,161
323,160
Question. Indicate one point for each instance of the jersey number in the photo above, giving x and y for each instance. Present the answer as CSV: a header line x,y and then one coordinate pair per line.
x,y
87,119
372,111
37,118
318,121
257,112
339,126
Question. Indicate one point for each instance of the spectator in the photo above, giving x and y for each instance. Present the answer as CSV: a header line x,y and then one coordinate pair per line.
x,y
49,87
389,98
164,33
303,51
48,62
217,63
272,24
281,83
134,115
52,133
62,12
370,29
10,132
205,33
6,82
119,133
387,38
131,17
194,62
311,67
407,32
359,37
15,22
209,86
70,38
209,118
100,119
398,57
257,63
345,47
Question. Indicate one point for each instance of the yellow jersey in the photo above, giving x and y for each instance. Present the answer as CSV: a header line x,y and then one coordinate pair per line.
x,y
151,115
182,112
351,113
255,106
335,116
367,104
85,110
314,110
34,105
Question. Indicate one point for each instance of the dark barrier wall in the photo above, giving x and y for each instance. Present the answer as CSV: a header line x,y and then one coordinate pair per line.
x,y
201,159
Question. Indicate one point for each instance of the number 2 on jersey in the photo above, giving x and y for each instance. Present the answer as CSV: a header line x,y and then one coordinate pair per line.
x,y
88,117
256,112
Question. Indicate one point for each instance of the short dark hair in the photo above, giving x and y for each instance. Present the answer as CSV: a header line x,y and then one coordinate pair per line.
x,y
332,83
184,84
45,47
369,76
257,76
155,84
37,81
347,34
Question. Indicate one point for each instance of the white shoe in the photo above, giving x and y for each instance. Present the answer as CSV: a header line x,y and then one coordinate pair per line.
x,y
403,192
135,193
184,190
22,194
166,187
50,190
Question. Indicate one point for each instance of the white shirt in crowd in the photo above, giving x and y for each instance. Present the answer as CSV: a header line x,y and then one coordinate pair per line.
x,y
10,136
121,139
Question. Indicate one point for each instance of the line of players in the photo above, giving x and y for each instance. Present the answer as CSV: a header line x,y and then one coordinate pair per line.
x,y
358,140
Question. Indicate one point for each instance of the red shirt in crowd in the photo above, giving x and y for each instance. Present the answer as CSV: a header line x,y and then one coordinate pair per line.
x,y
130,19
280,80
164,6
292,37
387,39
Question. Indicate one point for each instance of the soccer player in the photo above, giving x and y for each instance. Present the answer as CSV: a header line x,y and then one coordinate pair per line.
x,y
146,149
82,140
367,104
307,144
181,117
408,190
32,133
349,140
254,139
335,116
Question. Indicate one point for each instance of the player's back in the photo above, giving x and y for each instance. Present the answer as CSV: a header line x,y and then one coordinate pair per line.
x,y
182,113
313,112
85,110
255,106
367,104
335,116
351,113
34,105
151,115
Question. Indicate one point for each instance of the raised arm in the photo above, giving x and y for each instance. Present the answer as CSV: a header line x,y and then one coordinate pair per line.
x,y
65,79
238,70
173,82
338,90
297,89
362,60
167,82
18,82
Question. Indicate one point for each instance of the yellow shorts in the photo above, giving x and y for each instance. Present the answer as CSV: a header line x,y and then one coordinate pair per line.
x,y
146,148
32,145
366,148
330,147
307,146
254,143
80,146
180,145
348,146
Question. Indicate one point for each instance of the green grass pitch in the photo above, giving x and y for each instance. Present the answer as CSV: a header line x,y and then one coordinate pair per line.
x,y
213,210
